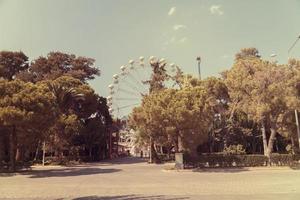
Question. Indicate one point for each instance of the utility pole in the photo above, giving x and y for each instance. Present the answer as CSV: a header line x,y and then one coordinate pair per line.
x,y
296,112
199,69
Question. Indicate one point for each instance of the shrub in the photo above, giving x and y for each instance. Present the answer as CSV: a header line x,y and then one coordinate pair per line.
x,y
284,159
225,160
234,150
166,158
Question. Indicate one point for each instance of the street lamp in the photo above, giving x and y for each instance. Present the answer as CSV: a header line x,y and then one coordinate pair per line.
x,y
273,58
199,69
294,44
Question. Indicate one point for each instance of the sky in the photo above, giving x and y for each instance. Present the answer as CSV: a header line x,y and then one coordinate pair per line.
x,y
115,31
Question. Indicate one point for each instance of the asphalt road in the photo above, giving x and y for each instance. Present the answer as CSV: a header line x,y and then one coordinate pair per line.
x,y
134,179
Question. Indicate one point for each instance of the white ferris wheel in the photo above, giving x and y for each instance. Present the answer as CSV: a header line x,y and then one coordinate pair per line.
x,y
129,86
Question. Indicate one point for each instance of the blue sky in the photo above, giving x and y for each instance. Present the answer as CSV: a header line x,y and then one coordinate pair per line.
x,y
115,31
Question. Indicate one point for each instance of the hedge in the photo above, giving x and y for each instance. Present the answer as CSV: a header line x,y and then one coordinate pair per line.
x,y
222,160
166,158
284,159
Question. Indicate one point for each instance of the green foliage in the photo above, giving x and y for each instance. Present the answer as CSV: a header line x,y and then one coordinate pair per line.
x,y
58,64
254,160
49,100
234,150
25,103
11,63
222,160
261,89
181,117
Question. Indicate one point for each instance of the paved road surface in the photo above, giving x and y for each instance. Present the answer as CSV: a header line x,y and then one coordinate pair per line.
x,y
133,179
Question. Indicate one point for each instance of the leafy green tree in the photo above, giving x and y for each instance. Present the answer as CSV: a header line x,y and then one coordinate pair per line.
x,y
71,96
257,87
247,53
58,64
158,77
75,108
26,108
11,63
181,117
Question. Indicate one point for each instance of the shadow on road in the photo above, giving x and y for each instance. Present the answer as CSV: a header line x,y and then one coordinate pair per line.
x,y
45,173
131,197
295,166
128,160
77,170
221,170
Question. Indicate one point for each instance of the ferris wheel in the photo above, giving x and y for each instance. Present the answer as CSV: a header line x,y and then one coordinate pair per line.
x,y
130,85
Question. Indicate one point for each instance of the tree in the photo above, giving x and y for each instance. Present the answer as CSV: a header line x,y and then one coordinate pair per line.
x,y
181,117
58,64
27,110
257,87
94,133
292,89
247,53
75,108
71,98
11,63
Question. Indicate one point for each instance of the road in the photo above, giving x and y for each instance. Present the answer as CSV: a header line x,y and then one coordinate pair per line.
x,y
134,179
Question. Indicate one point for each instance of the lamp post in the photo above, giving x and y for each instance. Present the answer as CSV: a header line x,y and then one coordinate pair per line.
x,y
290,49
199,69
273,58
296,112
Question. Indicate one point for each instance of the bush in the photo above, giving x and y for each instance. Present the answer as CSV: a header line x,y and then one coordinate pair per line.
x,y
166,158
223,160
284,159
234,150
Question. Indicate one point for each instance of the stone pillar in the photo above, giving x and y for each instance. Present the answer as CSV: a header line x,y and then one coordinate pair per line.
x,y
179,161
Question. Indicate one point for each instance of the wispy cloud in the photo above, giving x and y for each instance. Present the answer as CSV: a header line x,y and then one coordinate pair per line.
x,y
216,10
182,40
172,11
179,26
173,41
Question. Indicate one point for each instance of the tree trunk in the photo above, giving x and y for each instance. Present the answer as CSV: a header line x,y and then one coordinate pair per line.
x,y
150,151
225,139
18,156
169,152
90,153
44,152
155,158
292,144
153,155
12,149
1,149
254,143
264,137
176,145
180,145
211,146
225,144
36,151
271,142
211,143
